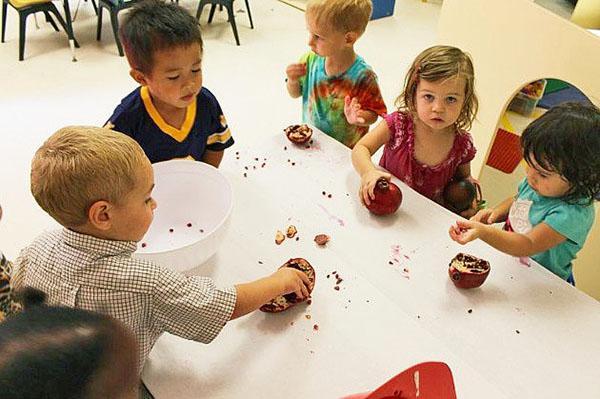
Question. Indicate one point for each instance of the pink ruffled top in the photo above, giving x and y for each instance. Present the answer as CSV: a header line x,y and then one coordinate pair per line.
x,y
398,157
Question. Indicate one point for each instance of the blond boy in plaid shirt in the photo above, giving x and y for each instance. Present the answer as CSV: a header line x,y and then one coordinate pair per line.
x,y
98,184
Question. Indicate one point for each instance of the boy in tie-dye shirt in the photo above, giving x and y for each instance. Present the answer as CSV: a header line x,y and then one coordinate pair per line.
x,y
339,90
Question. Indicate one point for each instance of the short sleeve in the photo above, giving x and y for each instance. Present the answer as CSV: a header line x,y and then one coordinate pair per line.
x,y
191,307
398,123
368,94
572,221
127,115
467,148
220,136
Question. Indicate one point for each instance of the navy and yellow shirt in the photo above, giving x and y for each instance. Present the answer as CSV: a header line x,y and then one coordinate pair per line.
x,y
204,128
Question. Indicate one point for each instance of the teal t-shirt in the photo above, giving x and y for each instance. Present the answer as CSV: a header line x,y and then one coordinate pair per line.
x,y
323,97
573,221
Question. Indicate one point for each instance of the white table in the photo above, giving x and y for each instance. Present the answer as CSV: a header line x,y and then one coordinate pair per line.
x,y
385,317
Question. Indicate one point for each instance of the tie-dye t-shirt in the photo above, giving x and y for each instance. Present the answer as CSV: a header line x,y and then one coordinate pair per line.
x,y
323,97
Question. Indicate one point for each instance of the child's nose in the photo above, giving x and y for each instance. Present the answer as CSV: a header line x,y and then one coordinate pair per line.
x,y
438,105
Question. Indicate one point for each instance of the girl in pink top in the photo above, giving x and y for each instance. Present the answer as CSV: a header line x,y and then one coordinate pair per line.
x,y
426,145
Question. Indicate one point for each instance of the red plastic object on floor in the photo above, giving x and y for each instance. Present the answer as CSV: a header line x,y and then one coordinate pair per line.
x,y
429,380
505,154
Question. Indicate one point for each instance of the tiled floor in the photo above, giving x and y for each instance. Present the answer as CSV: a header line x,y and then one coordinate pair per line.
x,y
47,91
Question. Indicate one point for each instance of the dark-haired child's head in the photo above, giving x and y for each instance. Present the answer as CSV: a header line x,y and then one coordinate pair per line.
x,y
163,45
58,352
561,148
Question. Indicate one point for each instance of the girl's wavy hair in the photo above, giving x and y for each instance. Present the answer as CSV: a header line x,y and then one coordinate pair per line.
x,y
436,64
566,140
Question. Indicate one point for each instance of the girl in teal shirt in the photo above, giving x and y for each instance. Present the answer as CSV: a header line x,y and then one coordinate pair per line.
x,y
550,217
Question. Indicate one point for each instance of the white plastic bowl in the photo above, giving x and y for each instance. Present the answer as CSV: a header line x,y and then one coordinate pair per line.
x,y
194,204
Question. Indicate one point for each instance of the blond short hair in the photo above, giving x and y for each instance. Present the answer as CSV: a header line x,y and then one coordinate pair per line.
x,y
343,15
436,64
79,165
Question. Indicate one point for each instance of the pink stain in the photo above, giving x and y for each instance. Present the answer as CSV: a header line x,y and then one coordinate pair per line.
x,y
337,219
524,260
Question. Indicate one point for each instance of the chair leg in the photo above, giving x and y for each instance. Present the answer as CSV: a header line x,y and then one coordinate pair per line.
x,y
114,21
232,22
22,24
200,7
4,10
99,26
249,14
213,8
50,20
59,17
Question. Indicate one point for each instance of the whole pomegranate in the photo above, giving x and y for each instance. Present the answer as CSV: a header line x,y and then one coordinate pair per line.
x,y
388,198
460,195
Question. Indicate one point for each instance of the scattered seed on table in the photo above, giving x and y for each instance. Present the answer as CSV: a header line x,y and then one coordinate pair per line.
x,y
143,245
245,174
316,327
337,288
470,311
189,225
171,230
328,195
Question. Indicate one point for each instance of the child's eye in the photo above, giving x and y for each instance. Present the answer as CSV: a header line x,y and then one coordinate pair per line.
x,y
428,97
196,70
148,200
451,100
173,77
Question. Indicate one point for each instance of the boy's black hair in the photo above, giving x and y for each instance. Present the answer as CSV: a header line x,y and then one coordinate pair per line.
x,y
566,140
60,352
154,25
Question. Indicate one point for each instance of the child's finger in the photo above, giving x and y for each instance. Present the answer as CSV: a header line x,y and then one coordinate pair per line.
x,y
364,196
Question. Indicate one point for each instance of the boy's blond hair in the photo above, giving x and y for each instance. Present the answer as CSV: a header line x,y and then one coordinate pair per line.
x,y
436,64
343,15
79,165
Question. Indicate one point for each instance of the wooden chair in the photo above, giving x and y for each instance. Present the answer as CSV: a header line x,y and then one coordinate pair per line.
x,y
228,4
25,8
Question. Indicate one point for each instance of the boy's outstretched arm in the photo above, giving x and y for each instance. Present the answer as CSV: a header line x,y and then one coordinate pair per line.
x,y
251,296
541,238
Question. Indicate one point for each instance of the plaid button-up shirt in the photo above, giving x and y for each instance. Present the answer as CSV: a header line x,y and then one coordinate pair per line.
x,y
100,275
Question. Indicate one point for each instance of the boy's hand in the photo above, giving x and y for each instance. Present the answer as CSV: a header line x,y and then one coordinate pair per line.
x,y
292,280
295,72
354,114
466,231
368,182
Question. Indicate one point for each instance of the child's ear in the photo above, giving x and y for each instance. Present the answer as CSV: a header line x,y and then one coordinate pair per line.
x,y
351,38
100,215
138,76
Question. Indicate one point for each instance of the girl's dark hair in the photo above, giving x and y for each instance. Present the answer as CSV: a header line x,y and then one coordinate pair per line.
x,y
566,140
58,352
152,26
